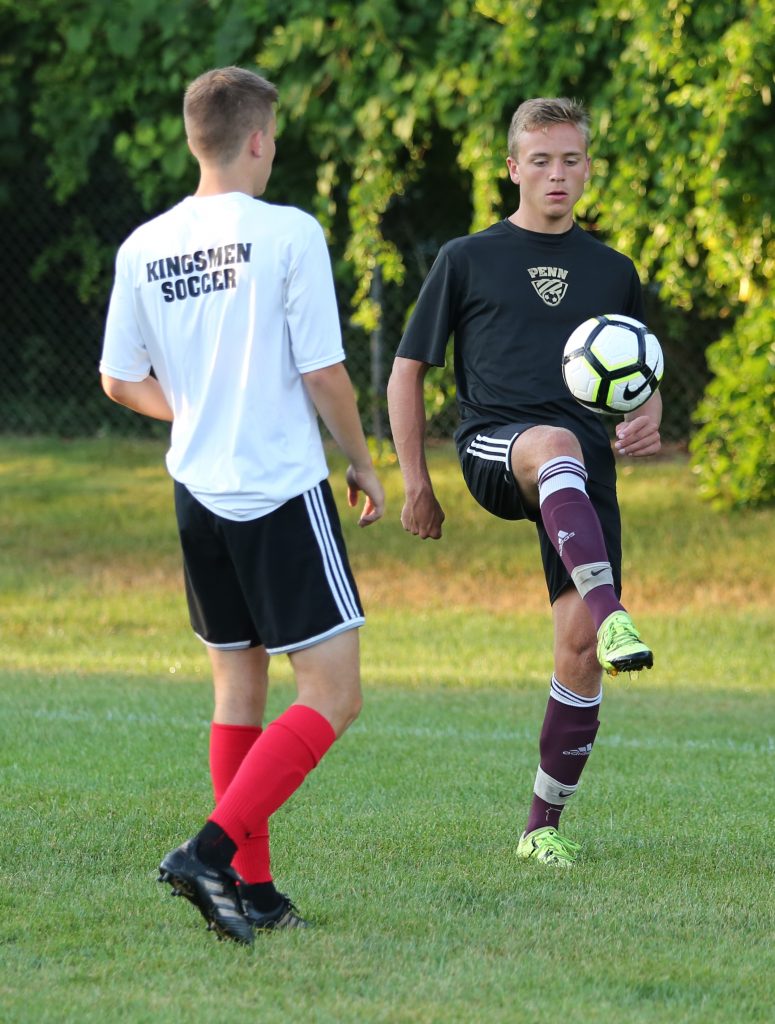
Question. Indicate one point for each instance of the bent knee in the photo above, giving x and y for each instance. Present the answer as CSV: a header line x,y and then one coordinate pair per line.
x,y
541,444
582,651
558,441
355,706
577,668
343,710
355,709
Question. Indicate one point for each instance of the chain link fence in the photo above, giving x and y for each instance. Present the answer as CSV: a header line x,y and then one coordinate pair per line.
x,y
56,265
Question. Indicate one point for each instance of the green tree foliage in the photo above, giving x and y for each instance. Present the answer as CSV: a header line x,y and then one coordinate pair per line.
x,y
734,450
683,142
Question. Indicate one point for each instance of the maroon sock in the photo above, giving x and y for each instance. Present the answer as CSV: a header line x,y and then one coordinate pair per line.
x,y
568,734
574,529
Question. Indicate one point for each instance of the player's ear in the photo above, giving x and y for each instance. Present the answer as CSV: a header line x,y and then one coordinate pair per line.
x,y
513,169
587,169
256,143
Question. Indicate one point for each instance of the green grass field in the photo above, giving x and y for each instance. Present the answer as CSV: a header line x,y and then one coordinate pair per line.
x,y
400,846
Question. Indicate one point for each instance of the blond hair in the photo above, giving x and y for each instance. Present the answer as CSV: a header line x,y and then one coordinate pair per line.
x,y
543,113
222,107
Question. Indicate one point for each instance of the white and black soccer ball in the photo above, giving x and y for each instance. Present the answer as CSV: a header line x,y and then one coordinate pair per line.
x,y
612,364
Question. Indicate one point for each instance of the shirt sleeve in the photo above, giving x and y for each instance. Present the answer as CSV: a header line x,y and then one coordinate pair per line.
x,y
310,304
124,355
433,318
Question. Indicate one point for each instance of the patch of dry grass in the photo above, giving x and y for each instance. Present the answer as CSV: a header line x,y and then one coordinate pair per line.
x,y
98,514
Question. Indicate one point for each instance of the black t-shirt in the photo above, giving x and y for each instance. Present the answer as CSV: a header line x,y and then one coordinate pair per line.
x,y
511,298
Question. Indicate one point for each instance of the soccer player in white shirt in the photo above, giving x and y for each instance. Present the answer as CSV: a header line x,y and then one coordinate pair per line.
x,y
223,321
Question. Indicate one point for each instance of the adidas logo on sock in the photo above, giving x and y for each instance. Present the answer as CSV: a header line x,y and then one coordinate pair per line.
x,y
584,751
562,537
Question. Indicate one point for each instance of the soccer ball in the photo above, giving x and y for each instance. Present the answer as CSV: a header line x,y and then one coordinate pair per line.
x,y
612,364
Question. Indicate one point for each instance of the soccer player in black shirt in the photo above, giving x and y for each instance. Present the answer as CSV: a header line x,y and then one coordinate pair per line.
x,y
511,295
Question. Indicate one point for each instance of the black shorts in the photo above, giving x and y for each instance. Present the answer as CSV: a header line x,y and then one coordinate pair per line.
x,y
282,580
485,458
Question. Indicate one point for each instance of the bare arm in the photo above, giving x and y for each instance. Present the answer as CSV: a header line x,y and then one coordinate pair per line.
x,y
638,433
144,396
332,395
421,515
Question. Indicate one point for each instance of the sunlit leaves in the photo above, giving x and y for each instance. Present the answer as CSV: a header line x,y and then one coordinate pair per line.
x,y
680,95
734,450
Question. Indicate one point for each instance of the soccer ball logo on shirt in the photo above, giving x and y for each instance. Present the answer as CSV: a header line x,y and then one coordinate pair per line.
x,y
549,283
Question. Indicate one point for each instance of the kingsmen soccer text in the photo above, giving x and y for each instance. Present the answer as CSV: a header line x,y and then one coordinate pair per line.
x,y
192,274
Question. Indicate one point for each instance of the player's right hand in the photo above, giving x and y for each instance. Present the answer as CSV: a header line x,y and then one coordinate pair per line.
x,y
422,515
365,480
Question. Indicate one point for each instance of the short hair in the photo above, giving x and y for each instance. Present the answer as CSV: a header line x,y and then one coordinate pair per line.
x,y
543,113
222,107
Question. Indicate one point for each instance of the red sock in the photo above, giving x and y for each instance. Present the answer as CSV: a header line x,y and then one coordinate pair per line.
x,y
273,769
229,744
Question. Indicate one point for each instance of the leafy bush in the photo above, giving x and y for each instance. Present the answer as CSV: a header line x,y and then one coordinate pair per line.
x,y
393,120
733,452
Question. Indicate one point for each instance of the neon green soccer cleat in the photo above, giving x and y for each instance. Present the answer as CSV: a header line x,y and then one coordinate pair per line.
x,y
547,846
619,647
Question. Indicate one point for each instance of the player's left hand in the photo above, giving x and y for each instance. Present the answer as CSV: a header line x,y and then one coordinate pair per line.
x,y
638,437
365,480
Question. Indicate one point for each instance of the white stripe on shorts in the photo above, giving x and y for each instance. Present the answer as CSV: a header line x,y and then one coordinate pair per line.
x,y
492,449
312,640
341,590
237,645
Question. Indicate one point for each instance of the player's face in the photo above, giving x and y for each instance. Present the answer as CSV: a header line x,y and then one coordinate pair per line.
x,y
263,167
551,170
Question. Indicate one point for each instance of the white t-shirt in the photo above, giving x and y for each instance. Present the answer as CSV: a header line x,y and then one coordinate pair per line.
x,y
230,299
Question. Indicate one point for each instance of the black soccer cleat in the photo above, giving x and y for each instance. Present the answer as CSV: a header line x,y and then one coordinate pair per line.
x,y
212,891
284,915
